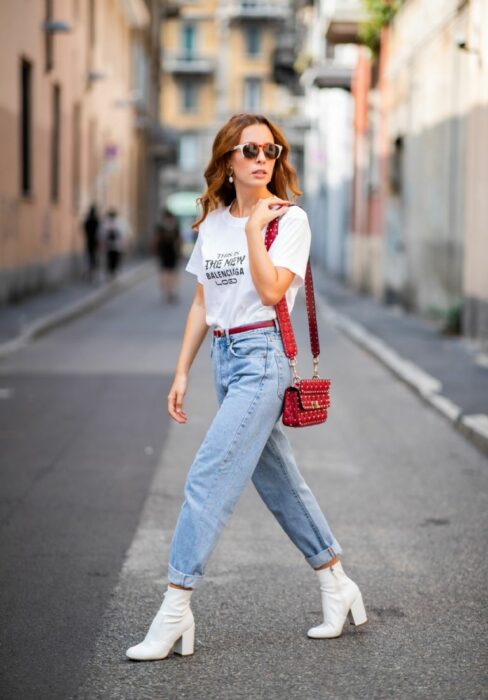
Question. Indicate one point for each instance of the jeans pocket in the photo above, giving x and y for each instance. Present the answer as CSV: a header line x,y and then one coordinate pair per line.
x,y
277,344
250,347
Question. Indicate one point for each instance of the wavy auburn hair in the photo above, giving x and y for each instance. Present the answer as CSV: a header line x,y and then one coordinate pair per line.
x,y
220,192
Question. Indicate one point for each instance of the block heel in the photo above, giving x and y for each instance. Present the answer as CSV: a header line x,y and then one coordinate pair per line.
x,y
357,613
186,643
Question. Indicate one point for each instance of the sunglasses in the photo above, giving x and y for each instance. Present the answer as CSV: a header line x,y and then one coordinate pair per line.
x,y
251,149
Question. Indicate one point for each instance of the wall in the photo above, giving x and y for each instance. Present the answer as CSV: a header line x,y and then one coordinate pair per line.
x,y
475,268
41,240
427,111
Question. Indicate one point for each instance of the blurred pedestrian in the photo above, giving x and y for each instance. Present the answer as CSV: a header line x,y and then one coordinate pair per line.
x,y
167,247
239,282
113,238
91,226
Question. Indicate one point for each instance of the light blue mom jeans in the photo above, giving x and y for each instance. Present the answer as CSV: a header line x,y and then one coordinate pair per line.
x,y
246,441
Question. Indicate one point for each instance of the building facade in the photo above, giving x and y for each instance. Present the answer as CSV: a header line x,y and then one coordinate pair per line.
x,y
70,93
475,220
330,101
218,59
419,210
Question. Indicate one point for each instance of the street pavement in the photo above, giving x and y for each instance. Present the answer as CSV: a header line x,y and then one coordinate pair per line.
x,y
36,314
91,489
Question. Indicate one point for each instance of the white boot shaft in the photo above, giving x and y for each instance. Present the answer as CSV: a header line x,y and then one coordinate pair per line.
x,y
340,597
173,626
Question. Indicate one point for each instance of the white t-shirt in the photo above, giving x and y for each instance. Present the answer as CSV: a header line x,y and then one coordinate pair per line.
x,y
221,263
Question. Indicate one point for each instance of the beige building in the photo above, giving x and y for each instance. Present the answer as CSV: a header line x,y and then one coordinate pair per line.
x,y
72,87
219,58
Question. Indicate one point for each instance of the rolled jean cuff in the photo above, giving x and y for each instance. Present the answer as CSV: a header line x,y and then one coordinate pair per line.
x,y
185,580
325,555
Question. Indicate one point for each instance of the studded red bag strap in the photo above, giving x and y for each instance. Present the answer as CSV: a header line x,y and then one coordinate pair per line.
x,y
283,314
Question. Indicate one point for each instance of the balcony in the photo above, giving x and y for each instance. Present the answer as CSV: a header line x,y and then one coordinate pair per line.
x,y
330,75
284,59
343,23
263,10
337,70
188,64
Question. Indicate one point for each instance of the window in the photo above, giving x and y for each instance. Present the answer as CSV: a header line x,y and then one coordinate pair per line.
x,y
91,23
188,152
253,41
189,96
48,36
140,72
92,155
55,142
252,94
188,40
25,127
396,167
76,160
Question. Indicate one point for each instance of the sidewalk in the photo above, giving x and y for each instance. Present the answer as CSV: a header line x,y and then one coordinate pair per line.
x,y
445,371
23,321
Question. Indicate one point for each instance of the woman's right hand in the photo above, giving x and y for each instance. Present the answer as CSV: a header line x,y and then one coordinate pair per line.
x,y
267,209
175,398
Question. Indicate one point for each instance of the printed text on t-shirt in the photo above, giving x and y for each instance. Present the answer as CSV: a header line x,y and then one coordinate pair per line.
x,y
225,268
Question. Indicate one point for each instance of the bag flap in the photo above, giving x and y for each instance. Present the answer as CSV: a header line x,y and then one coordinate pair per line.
x,y
314,393
314,386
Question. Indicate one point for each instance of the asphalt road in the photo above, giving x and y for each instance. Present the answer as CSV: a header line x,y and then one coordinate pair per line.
x,y
91,485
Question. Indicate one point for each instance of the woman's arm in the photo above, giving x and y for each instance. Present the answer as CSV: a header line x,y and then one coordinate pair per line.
x,y
271,282
195,331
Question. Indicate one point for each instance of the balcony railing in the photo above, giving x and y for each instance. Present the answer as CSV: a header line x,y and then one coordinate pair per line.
x,y
188,64
259,9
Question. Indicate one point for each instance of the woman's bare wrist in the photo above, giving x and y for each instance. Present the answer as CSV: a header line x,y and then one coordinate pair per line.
x,y
252,228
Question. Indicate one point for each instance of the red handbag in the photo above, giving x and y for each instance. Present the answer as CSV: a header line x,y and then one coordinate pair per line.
x,y
306,401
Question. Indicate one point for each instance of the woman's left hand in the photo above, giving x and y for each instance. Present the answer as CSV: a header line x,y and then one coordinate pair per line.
x,y
264,211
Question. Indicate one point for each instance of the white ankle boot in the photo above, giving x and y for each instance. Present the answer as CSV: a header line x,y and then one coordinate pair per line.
x,y
340,597
173,626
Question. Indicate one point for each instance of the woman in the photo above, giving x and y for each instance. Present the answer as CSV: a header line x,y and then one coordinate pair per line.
x,y
167,247
239,282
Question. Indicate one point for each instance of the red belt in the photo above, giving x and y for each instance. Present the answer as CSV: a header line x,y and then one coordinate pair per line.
x,y
241,329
